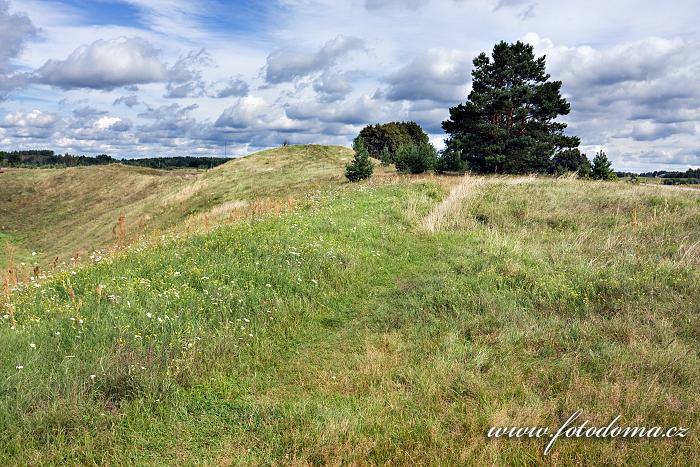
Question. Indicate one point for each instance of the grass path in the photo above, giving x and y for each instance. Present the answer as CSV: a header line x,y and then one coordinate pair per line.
x,y
447,207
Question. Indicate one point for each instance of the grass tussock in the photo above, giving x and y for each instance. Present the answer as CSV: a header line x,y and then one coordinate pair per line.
x,y
390,322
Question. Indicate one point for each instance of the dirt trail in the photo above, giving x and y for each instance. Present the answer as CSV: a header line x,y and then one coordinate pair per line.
x,y
448,206
467,186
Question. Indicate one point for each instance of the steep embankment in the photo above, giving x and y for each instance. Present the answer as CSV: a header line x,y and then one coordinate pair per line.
x,y
61,212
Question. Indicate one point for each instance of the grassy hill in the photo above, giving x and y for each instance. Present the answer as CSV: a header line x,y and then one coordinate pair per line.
x,y
393,321
64,212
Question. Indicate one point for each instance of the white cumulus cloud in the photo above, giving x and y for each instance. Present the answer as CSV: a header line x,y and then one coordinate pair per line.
x,y
106,64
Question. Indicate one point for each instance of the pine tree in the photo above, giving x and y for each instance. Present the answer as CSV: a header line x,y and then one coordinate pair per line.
x,y
361,166
508,122
602,168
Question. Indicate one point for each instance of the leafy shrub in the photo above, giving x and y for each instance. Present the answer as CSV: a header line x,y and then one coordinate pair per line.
x,y
389,137
571,160
415,158
385,156
450,160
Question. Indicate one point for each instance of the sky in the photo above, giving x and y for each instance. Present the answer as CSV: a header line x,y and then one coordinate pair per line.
x,y
140,78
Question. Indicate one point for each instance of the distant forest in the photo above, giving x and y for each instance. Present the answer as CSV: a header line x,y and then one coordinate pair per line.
x,y
47,158
689,177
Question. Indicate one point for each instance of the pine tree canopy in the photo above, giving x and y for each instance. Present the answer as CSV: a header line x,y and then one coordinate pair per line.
x,y
508,123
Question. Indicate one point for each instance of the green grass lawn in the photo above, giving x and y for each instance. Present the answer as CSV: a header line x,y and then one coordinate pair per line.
x,y
377,323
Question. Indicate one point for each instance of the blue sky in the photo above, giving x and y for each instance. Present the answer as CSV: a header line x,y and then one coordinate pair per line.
x,y
142,78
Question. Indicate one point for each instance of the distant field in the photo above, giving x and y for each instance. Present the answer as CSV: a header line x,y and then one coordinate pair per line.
x,y
385,322
67,212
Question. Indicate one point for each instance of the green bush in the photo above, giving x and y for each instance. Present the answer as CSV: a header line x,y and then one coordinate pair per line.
x,y
450,160
385,156
415,158
571,160
389,137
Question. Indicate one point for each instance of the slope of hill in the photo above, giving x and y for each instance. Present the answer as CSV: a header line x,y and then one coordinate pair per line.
x,y
64,212
380,323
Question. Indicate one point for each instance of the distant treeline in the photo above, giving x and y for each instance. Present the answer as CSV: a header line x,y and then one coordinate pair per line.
x,y
178,162
690,173
47,158
689,177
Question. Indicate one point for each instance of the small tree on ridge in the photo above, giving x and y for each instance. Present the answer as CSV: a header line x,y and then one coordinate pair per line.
x,y
602,168
361,166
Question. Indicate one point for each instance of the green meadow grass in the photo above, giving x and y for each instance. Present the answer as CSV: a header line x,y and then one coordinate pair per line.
x,y
349,329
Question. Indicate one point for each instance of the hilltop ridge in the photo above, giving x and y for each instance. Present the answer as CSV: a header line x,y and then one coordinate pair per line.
x,y
72,211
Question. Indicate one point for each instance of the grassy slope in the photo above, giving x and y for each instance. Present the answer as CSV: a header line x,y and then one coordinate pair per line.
x,y
364,327
61,212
